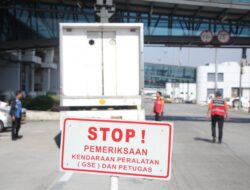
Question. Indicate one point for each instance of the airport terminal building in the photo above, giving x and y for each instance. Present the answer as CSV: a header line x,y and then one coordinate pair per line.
x,y
37,73
175,81
197,84
29,39
232,78
157,75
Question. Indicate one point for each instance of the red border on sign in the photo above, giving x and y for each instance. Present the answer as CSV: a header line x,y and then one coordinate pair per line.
x,y
119,173
228,36
204,31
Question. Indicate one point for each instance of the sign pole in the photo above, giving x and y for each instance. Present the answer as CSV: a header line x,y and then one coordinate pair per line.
x,y
216,71
114,181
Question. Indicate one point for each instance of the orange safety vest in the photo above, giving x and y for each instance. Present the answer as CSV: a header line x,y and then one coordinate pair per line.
x,y
158,106
218,107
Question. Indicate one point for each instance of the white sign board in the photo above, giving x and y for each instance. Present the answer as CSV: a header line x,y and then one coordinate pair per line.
x,y
206,36
223,37
117,147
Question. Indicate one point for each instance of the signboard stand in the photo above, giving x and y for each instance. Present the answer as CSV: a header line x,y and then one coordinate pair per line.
x,y
114,181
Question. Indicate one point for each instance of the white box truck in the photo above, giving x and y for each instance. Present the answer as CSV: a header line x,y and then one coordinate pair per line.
x,y
101,69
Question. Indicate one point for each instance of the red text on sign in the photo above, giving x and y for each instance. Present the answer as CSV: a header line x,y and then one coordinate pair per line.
x,y
116,134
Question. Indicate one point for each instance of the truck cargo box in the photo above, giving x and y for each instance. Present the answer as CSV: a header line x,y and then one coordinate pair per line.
x,y
101,64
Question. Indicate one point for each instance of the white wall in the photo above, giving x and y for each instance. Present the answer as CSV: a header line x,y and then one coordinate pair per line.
x,y
186,91
231,72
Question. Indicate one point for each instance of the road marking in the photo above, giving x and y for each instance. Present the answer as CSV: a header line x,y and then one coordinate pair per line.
x,y
5,137
59,184
66,177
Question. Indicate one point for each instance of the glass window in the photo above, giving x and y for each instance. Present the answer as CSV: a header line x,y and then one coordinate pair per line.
x,y
220,77
211,77
156,75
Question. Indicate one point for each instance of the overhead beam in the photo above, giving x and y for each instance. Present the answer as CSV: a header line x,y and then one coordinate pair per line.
x,y
222,13
208,3
184,41
172,41
197,12
241,18
177,10
174,9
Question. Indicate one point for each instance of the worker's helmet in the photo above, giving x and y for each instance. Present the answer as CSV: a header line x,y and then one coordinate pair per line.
x,y
217,93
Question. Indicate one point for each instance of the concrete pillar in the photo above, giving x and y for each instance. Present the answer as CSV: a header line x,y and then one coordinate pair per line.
x,y
27,77
30,52
19,76
49,79
46,80
47,65
49,55
32,78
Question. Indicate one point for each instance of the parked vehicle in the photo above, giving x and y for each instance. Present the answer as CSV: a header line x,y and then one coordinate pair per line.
x,y
239,102
167,98
5,119
102,70
149,96
236,102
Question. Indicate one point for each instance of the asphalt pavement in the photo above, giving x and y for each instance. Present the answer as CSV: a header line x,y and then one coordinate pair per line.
x,y
32,163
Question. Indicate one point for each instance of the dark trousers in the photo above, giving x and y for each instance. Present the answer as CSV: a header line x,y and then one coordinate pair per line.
x,y
220,120
158,117
16,125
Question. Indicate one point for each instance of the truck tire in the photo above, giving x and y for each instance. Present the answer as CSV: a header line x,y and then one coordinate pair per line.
x,y
1,126
236,104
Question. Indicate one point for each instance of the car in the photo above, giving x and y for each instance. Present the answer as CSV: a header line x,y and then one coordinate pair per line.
x,y
150,96
167,99
209,98
234,102
239,102
228,100
5,119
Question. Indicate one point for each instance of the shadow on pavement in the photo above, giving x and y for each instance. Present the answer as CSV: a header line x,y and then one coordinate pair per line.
x,y
199,118
203,139
57,139
6,130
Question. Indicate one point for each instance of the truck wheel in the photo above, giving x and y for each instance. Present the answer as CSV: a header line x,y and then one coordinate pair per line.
x,y
1,126
236,104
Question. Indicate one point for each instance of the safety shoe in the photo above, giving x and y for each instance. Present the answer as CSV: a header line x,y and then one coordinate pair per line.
x,y
219,142
19,137
214,140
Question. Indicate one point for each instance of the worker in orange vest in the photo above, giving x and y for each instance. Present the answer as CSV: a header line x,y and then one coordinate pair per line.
x,y
159,106
217,110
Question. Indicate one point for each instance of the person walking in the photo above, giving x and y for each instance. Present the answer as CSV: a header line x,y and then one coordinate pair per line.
x,y
16,115
217,110
159,106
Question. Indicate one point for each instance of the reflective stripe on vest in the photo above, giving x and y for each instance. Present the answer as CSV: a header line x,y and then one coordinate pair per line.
x,y
218,107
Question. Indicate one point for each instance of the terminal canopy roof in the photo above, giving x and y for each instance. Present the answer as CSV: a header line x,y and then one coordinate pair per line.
x,y
166,22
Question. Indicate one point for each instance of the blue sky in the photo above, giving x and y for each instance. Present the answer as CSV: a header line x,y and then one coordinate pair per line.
x,y
191,56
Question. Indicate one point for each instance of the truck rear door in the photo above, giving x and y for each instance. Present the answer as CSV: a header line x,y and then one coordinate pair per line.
x,y
82,58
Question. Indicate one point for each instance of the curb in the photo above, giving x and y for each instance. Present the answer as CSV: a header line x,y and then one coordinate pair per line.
x,y
42,115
